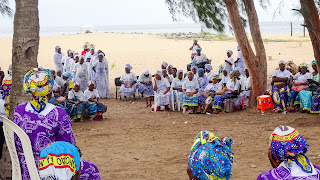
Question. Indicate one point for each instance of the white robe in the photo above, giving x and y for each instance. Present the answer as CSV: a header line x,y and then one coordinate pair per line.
x,y
81,76
57,61
100,78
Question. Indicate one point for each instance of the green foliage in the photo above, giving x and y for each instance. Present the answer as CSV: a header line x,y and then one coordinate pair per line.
x,y
212,13
5,10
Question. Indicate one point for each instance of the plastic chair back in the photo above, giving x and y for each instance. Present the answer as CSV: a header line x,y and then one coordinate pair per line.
x,y
9,129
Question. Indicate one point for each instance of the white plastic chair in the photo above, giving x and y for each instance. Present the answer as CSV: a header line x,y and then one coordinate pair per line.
x,y
177,102
155,101
9,129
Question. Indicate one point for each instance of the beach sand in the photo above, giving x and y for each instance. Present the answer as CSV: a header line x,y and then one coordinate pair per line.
x,y
135,143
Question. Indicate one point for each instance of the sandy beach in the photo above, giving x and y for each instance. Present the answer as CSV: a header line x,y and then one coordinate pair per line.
x,y
135,143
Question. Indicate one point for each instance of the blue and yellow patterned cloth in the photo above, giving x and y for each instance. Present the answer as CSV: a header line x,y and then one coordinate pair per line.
x,y
288,145
60,160
39,82
211,157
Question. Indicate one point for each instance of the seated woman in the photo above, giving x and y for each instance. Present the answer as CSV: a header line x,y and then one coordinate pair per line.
x,y
128,83
166,76
231,88
162,87
225,78
177,85
209,91
299,82
304,98
190,88
43,122
75,99
280,90
208,72
144,84
245,86
194,70
66,76
93,104
315,105
211,157
287,155
202,80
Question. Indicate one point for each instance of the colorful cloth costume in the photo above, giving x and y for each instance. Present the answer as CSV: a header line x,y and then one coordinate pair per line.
x,y
212,89
43,122
280,90
211,157
76,111
304,98
6,86
60,160
288,145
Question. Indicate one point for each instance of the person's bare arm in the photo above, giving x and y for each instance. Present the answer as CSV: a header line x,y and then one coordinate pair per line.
x,y
168,89
228,62
155,87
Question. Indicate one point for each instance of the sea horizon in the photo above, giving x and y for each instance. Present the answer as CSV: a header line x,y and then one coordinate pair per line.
x,y
267,27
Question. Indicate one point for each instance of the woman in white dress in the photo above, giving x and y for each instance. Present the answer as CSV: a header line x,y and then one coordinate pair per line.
x,y
144,84
162,87
190,88
67,62
177,85
128,83
57,58
93,104
100,68
91,55
228,62
81,74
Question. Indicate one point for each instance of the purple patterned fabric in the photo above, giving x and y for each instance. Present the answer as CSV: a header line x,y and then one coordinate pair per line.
x,y
89,171
51,125
282,173
42,130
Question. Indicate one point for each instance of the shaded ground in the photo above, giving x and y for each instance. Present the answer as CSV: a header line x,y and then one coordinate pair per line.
x,y
135,143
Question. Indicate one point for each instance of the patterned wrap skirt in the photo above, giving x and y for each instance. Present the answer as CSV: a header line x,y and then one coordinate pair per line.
x,y
218,101
145,89
190,101
280,96
202,99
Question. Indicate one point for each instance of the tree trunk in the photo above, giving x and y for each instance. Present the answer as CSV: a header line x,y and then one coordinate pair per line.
x,y
312,22
256,64
25,47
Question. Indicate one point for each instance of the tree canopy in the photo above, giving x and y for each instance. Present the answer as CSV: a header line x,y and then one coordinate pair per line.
x,y
5,10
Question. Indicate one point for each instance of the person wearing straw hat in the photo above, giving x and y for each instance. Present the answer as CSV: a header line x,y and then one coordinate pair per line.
x,y
287,155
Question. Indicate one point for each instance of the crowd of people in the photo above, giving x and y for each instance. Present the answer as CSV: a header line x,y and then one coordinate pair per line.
x,y
80,82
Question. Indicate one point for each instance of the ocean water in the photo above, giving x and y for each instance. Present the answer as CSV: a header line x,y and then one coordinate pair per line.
x,y
277,27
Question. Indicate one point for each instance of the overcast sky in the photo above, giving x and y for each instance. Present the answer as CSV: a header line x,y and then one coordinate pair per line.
x,y
128,12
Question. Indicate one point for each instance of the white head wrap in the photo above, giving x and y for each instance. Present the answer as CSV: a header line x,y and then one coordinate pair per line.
x,y
101,54
146,72
231,52
56,48
282,62
128,66
159,72
91,48
208,66
170,66
180,71
165,64
90,82
10,67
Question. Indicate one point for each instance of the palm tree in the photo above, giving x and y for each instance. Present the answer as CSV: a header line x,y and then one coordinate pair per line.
x,y
25,45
